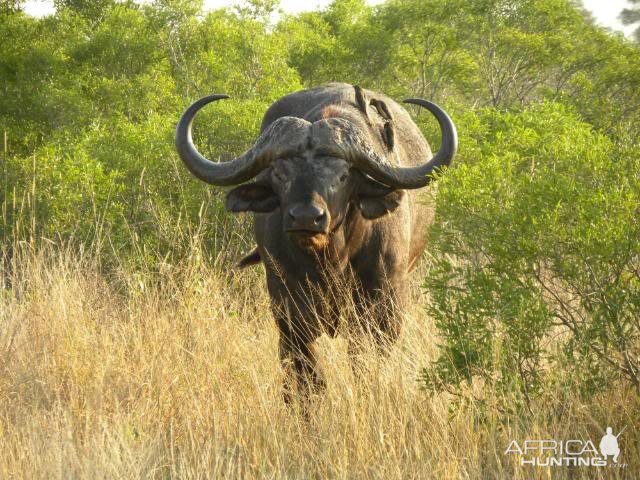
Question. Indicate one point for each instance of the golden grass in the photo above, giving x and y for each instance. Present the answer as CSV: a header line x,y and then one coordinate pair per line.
x,y
175,375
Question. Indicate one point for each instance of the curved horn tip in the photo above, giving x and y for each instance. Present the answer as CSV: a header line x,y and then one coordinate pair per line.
x,y
436,110
412,100
420,102
210,98
183,128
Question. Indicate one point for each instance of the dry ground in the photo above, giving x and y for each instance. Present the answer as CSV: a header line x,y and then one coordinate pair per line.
x,y
175,375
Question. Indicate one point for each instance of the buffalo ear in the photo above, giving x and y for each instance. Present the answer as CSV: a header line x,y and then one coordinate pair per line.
x,y
252,197
376,200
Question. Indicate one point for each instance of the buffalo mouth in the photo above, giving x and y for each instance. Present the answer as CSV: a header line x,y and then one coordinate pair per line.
x,y
300,232
309,239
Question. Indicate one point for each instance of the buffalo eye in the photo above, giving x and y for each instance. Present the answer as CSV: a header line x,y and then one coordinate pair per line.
x,y
279,176
343,178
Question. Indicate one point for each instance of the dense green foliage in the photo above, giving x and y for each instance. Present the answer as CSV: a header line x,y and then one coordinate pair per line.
x,y
535,255
539,236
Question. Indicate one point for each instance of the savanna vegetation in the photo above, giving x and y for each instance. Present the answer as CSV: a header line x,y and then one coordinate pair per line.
x,y
129,346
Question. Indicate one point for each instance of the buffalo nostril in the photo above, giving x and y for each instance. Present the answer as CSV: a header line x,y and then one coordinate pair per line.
x,y
305,216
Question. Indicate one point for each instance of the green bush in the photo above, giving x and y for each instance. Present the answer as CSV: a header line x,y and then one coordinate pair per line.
x,y
90,100
536,255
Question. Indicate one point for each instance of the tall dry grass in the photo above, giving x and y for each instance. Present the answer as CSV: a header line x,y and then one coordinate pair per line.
x,y
175,374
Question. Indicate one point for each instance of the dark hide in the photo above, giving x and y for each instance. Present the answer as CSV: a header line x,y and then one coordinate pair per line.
x,y
318,222
252,258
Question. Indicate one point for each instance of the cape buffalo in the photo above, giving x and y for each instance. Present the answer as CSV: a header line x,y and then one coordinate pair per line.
x,y
335,170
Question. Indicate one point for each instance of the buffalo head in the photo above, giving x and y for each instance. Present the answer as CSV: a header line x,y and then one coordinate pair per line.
x,y
314,171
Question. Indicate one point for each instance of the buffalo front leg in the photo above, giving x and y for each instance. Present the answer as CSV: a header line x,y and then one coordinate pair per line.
x,y
299,327
298,359
375,327
381,293
378,317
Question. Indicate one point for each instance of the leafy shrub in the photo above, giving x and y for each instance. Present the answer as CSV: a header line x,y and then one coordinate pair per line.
x,y
536,255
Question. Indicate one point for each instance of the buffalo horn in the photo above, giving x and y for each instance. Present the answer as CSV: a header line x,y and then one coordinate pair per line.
x,y
284,137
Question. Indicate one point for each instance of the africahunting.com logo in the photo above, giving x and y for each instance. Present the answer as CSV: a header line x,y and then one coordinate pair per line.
x,y
565,453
